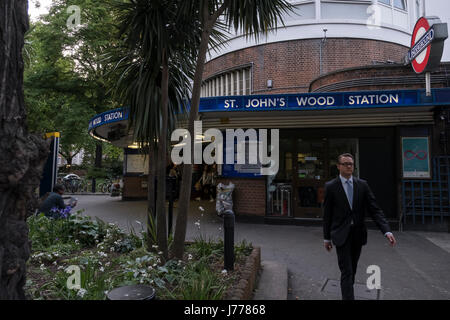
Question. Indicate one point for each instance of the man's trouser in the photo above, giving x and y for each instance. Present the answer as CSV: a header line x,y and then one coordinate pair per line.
x,y
348,256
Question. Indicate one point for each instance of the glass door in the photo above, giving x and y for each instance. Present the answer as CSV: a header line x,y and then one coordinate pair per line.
x,y
309,178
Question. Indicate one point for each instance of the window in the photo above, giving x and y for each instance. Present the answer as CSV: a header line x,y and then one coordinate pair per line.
x,y
235,82
241,82
400,4
385,1
247,82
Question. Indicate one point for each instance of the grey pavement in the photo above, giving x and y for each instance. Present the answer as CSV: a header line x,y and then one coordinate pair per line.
x,y
418,267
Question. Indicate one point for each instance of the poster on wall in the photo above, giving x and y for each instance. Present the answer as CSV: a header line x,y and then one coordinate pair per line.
x,y
416,157
136,163
245,170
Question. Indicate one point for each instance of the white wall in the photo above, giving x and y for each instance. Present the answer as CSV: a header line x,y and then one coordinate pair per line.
x,y
440,8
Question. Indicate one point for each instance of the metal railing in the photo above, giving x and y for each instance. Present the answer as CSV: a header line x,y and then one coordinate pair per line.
x,y
428,201
282,199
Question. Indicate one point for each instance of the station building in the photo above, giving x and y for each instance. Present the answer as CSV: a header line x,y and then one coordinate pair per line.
x,y
332,80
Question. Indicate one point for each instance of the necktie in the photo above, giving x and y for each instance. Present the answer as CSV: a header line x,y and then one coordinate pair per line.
x,y
349,192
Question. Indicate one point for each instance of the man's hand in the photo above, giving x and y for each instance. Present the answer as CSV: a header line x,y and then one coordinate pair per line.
x,y
328,246
391,239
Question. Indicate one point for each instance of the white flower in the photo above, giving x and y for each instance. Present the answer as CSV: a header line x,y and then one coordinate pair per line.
x,y
55,263
154,246
81,292
107,264
201,208
224,271
190,257
42,267
112,249
101,269
160,252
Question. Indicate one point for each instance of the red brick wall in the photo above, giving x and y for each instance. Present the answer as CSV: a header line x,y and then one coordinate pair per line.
x,y
405,78
292,65
249,196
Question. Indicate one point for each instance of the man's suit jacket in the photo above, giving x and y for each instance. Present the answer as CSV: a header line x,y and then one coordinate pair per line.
x,y
337,214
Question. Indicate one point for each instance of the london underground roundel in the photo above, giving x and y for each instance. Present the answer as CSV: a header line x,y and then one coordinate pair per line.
x,y
427,44
421,28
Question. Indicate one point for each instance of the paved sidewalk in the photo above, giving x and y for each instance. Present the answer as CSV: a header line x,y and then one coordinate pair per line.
x,y
417,268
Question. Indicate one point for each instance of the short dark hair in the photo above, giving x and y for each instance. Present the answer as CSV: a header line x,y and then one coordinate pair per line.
x,y
345,155
58,187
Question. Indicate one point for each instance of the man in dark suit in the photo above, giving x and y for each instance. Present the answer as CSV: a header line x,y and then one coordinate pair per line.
x,y
347,199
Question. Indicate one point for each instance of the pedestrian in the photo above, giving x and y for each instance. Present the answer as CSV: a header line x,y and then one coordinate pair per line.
x,y
55,201
209,182
346,200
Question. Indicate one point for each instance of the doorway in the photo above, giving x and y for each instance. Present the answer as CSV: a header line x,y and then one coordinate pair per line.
x,y
315,164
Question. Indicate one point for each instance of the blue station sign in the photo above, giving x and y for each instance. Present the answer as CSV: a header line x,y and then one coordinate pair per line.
x,y
108,117
324,101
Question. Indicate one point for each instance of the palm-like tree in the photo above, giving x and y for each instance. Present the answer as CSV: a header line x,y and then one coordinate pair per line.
x,y
252,17
155,73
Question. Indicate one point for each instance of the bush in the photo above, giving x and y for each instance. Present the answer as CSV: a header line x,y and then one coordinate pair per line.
x,y
97,173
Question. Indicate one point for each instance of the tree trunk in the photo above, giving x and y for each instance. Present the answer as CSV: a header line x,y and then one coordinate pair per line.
x,y
22,155
185,192
98,154
161,223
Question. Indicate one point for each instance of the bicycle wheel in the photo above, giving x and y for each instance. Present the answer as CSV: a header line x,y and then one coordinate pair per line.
x,y
109,188
104,187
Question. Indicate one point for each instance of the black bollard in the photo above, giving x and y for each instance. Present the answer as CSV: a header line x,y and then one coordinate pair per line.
x,y
93,185
170,196
170,212
228,228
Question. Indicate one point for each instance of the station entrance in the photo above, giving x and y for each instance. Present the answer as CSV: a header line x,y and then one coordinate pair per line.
x,y
308,160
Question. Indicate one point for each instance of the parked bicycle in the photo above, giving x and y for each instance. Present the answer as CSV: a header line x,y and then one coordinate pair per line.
x,y
72,183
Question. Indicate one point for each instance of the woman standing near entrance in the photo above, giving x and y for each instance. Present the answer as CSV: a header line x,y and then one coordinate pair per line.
x,y
208,182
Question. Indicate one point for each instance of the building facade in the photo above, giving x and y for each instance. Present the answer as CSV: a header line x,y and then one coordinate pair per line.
x,y
332,80
330,47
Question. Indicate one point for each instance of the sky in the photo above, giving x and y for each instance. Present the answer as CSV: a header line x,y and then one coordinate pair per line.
x,y
34,11
440,8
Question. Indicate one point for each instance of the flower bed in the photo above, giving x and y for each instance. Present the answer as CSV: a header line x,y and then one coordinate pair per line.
x,y
108,258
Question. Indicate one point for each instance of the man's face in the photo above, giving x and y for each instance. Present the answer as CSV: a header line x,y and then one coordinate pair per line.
x,y
346,166
61,191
